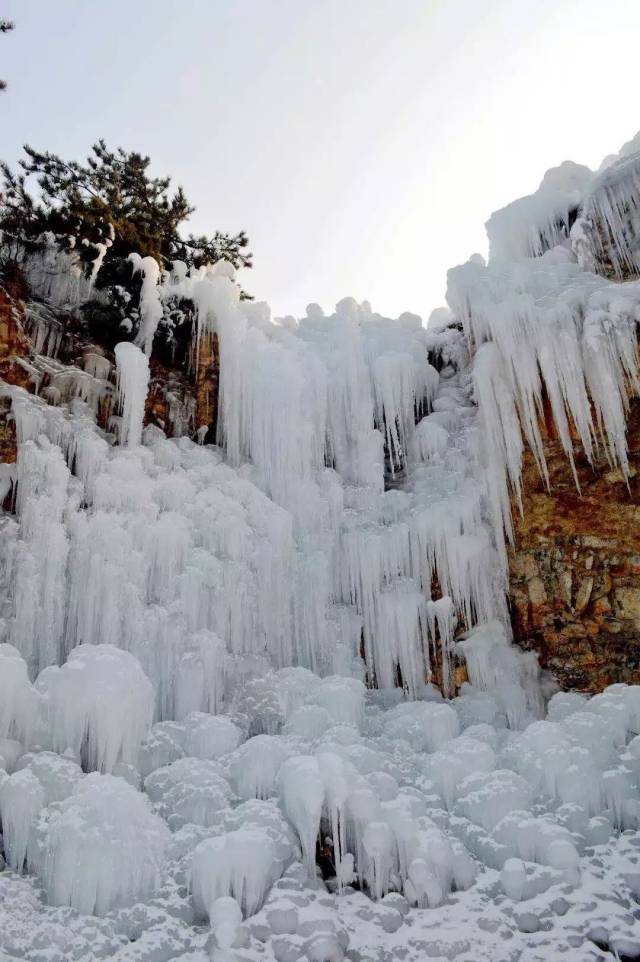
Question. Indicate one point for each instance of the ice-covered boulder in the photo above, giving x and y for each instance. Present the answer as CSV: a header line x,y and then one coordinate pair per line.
x,y
190,791
99,705
100,848
241,864
209,736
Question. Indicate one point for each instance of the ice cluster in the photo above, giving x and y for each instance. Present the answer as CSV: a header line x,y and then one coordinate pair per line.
x,y
230,727
340,831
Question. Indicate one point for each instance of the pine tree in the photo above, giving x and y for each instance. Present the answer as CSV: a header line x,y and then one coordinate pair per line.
x,y
111,196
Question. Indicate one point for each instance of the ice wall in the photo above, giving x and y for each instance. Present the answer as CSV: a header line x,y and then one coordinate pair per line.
x,y
362,463
282,545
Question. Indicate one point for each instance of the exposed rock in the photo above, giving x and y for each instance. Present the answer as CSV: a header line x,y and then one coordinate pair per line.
x,y
14,346
574,572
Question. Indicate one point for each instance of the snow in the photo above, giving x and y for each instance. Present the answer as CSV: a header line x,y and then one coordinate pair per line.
x,y
229,720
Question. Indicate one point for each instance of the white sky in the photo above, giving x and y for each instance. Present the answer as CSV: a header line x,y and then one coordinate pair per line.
x,y
361,143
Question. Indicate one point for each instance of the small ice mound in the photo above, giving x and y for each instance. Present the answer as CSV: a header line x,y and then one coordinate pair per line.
x,y
621,797
378,845
562,854
21,800
209,736
302,798
260,701
190,791
427,726
240,864
514,879
430,440
435,867
546,756
267,817
161,747
630,696
99,705
343,698
483,733
18,699
225,918
100,848
57,775
255,765
485,798
385,786
590,731
459,758
611,708
475,707
517,833
565,703
293,686
308,721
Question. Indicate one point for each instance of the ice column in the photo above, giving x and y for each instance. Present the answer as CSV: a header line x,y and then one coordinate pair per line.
x,y
133,382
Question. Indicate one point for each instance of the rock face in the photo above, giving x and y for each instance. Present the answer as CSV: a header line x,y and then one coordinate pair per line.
x,y
574,572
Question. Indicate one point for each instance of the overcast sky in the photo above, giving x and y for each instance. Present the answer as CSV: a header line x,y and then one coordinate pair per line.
x,y
361,143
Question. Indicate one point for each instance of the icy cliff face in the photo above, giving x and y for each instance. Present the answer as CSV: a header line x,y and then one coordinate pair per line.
x,y
189,630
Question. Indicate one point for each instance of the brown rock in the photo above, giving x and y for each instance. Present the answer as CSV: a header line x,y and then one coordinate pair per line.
x,y
585,547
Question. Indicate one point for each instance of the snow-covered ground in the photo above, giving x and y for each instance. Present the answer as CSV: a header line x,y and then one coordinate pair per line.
x,y
191,766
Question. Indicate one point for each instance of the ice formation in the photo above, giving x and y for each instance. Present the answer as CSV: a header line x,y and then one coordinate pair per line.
x,y
230,726
100,847
133,383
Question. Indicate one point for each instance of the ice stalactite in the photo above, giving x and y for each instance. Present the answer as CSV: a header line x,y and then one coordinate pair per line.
x,y
612,209
133,382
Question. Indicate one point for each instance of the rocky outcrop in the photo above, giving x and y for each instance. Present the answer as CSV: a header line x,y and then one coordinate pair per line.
x,y
574,572
14,349
179,401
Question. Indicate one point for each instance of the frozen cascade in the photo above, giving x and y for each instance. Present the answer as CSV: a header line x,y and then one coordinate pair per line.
x,y
186,630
